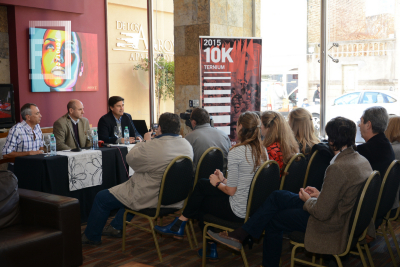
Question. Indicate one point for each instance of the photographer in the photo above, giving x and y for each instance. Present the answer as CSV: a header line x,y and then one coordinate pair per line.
x,y
204,136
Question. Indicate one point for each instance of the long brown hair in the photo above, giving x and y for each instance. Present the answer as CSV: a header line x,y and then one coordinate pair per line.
x,y
279,131
250,134
393,130
300,120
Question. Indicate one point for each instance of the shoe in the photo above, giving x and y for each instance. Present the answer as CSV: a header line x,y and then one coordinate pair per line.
x,y
86,241
223,238
212,253
111,231
166,230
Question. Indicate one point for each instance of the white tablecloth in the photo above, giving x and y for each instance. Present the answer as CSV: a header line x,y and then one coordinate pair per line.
x,y
84,168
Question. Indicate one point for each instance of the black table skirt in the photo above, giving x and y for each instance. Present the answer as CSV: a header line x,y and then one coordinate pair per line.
x,y
50,175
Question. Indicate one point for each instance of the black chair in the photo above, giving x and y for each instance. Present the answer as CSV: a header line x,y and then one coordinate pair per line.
x,y
266,180
212,159
294,173
315,174
361,215
176,185
387,196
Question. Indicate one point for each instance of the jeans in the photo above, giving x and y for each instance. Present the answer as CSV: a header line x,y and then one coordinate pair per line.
x,y
104,203
281,212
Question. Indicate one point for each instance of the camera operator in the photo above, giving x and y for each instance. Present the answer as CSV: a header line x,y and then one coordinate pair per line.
x,y
204,136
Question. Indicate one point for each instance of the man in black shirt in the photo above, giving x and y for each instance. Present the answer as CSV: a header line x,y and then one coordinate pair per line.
x,y
377,148
316,99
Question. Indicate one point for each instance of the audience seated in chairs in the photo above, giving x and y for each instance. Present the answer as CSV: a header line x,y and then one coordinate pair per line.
x,y
221,197
325,215
204,136
149,160
301,122
278,138
392,133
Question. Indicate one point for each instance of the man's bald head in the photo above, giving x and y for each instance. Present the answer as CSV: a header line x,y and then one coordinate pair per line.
x,y
75,109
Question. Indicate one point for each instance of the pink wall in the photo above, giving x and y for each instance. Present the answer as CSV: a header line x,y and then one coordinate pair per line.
x,y
53,105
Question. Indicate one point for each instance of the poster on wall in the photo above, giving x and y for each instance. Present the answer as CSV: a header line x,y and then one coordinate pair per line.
x,y
230,78
58,64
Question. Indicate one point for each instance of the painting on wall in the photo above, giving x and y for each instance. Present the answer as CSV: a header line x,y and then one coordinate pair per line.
x,y
63,63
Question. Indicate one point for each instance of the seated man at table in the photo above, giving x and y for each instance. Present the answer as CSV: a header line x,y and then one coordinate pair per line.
x,y
377,148
323,216
204,136
116,117
149,160
25,138
69,130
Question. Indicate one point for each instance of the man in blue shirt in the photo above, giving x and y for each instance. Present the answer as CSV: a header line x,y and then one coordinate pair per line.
x,y
116,117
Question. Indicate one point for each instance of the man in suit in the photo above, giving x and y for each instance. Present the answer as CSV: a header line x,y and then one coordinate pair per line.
x,y
116,117
69,130
325,215
149,160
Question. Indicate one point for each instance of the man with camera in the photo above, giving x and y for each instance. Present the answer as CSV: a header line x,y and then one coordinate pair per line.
x,y
204,136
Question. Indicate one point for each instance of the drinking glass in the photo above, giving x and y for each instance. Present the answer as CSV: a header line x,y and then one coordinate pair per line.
x,y
46,143
117,131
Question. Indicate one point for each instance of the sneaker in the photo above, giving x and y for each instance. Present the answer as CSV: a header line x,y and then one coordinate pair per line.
x,y
87,241
111,231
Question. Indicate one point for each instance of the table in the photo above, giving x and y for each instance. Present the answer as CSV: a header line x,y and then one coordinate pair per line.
x,y
50,175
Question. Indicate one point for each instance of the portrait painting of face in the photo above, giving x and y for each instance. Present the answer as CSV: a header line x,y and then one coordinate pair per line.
x,y
63,64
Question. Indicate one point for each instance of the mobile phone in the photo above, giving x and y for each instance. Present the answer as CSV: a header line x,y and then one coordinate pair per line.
x,y
155,126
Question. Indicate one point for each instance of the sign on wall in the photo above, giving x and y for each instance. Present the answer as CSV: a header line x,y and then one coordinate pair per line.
x,y
63,61
230,79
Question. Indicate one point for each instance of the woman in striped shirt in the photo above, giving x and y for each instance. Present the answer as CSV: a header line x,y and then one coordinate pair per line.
x,y
221,197
278,138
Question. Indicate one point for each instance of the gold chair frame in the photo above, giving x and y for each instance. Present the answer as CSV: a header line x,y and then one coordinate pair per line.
x,y
308,167
156,216
293,259
205,237
296,157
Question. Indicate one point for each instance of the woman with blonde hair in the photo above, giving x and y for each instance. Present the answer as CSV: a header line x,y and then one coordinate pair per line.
x,y
278,138
300,120
221,197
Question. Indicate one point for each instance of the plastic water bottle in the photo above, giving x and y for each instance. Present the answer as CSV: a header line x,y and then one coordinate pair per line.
x,y
126,135
95,138
53,147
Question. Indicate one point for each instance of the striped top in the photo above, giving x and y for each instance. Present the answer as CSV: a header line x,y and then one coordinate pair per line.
x,y
240,175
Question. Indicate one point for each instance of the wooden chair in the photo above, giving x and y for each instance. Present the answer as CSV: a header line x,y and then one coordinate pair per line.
x,y
387,195
294,173
363,211
265,181
176,185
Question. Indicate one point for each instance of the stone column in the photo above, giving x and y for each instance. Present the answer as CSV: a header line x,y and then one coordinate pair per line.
x,y
194,18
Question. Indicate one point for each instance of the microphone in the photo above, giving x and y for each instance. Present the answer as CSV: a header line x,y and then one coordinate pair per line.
x,y
78,148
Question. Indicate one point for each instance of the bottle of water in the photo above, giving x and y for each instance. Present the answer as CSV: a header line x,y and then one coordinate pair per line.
x,y
126,135
95,138
53,147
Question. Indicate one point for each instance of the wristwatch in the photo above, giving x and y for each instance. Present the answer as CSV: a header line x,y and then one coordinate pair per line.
x,y
217,184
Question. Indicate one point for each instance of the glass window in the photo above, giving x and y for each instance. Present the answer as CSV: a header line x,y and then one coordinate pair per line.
x,y
348,99
373,97
390,99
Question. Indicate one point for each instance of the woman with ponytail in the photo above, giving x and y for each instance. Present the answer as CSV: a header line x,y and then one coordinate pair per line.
x,y
225,198
278,138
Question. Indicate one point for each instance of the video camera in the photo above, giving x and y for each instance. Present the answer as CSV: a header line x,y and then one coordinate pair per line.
x,y
186,116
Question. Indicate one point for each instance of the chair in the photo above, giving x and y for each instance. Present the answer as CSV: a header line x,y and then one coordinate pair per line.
x,y
387,195
176,185
316,168
266,180
212,159
359,220
294,173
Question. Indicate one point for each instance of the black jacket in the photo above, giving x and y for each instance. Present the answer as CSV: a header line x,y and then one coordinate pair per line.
x,y
379,152
106,126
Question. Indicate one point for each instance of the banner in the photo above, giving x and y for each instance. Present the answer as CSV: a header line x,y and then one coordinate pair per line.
x,y
230,79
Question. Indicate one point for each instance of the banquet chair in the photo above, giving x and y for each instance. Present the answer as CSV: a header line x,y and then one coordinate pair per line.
x,y
212,159
176,185
363,211
387,195
294,173
316,168
265,181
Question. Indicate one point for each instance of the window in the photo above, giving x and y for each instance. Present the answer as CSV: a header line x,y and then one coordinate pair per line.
x,y
373,97
351,98
390,99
